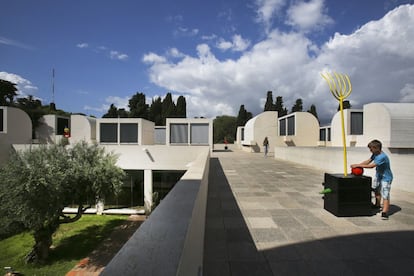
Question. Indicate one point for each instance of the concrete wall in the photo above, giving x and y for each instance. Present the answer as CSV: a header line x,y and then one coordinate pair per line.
x,y
46,132
171,240
256,129
83,128
147,129
391,123
154,157
17,129
306,131
330,159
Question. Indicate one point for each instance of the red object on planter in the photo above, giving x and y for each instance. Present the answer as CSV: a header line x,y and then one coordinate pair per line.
x,y
357,171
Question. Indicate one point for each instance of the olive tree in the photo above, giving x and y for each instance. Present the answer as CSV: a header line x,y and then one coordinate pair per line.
x,y
36,185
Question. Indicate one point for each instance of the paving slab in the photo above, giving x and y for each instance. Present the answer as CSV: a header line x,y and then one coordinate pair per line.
x,y
265,217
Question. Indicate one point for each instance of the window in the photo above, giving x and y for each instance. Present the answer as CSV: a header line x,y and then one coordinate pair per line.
x,y
282,127
322,134
329,134
357,123
242,134
108,133
62,123
2,120
129,133
199,134
291,125
179,133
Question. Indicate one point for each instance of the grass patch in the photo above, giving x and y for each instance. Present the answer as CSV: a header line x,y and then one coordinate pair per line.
x,y
71,243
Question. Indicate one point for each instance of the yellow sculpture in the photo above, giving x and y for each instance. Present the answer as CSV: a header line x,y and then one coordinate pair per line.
x,y
341,88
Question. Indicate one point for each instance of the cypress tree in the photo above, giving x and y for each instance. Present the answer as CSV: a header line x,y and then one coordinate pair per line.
x,y
281,110
181,107
269,106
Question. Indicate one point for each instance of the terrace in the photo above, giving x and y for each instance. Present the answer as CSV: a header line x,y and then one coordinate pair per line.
x,y
263,216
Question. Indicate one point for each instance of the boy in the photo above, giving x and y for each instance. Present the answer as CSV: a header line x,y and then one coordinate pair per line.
x,y
383,176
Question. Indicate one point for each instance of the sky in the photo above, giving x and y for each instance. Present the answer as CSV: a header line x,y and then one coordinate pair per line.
x,y
217,54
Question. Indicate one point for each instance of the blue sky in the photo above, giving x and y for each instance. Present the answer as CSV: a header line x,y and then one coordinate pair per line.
x,y
218,54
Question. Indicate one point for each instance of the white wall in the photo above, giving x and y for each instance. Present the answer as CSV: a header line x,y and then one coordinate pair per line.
x,y
83,128
17,129
330,159
256,129
306,131
155,157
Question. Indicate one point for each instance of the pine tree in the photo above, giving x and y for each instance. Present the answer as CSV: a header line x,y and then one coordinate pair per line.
x,y
155,111
298,106
281,110
181,107
138,107
112,112
243,116
168,108
312,110
269,106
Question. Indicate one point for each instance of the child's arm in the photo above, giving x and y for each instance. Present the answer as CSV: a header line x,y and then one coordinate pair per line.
x,y
365,164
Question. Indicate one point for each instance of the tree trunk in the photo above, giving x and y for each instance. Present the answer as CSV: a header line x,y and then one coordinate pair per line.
x,y
43,241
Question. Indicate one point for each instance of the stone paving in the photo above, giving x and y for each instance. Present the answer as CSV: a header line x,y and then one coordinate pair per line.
x,y
266,217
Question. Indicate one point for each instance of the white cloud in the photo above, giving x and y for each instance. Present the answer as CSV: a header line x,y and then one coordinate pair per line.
x,y
378,57
238,44
82,45
11,42
117,55
113,54
24,86
266,10
407,93
117,101
183,31
307,16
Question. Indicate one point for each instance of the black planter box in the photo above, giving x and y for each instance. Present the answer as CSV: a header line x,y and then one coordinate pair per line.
x,y
350,196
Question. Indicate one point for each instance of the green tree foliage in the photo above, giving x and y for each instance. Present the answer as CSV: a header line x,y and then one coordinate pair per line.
x,y
8,91
138,108
243,116
269,106
36,184
281,110
312,110
224,127
33,107
298,106
346,105
155,111
114,112
168,108
181,107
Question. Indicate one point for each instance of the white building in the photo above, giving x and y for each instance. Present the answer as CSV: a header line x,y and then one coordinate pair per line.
x,y
15,128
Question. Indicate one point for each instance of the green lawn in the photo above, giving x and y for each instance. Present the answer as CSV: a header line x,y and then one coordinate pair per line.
x,y
71,243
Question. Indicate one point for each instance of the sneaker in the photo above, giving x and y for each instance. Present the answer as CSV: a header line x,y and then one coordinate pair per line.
x,y
384,216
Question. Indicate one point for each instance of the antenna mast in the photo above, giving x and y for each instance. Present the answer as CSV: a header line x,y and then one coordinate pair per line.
x,y
53,85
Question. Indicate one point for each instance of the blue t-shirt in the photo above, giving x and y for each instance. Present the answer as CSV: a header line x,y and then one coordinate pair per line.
x,y
383,167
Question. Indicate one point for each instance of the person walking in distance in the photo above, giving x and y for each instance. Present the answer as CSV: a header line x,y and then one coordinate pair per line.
x,y
265,146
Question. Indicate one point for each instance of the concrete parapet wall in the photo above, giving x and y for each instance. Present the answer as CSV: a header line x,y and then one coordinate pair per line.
x,y
171,240
330,159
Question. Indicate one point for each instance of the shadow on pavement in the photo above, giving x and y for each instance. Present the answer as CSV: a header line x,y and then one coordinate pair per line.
x,y
230,249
